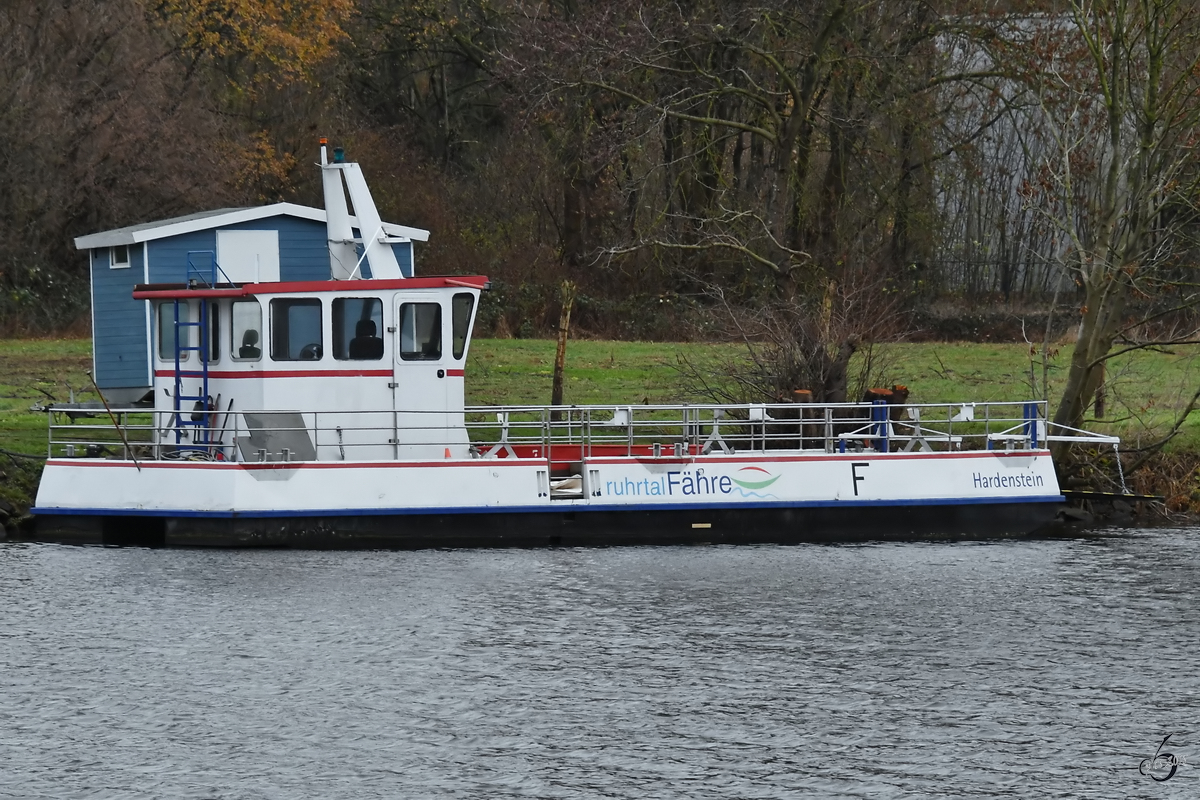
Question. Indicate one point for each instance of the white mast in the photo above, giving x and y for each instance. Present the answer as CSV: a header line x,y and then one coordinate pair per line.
x,y
343,257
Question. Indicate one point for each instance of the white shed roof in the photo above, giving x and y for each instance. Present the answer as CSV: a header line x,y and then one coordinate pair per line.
x,y
149,231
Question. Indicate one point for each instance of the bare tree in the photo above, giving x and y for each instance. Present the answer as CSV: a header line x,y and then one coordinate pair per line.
x,y
805,345
1118,84
101,128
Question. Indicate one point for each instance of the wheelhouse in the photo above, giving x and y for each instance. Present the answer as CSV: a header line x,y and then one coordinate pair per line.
x,y
393,349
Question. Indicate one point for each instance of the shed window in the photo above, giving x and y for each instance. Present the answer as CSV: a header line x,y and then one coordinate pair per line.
x,y
118,257
420,331
246,330
461,306
357,325
296,329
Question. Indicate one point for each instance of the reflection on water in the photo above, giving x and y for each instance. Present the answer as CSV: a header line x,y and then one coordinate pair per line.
x,y
1008,669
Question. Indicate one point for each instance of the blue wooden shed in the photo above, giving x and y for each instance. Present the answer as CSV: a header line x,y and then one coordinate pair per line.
x,y
279,242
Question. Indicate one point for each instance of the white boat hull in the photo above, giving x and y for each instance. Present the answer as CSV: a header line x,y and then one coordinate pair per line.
x,y
505,501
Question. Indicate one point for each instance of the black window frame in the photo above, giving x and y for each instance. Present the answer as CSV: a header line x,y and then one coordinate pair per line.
x,y
235,347
423,354
341,342
281,328
214,332
459,338
166,325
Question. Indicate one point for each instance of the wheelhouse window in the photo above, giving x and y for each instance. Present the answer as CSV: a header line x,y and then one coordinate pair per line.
x,y
214,333
421,331
461,307
189,334
118,257
246,330
166,330
357,325
296,329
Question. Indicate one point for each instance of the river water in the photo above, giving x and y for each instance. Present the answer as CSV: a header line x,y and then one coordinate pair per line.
x,y
1045,668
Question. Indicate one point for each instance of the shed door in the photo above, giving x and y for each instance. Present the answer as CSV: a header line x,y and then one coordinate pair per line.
x,y
422,356
249,256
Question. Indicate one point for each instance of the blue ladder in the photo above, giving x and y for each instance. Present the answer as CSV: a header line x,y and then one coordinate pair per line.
x,y
202,271
186,417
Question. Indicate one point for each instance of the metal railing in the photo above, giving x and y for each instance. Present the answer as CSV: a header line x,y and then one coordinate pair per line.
x,y
565,433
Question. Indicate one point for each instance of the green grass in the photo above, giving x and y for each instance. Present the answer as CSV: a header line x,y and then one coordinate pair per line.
x,y
1147,393
30,370
1147,389
34,371
521,371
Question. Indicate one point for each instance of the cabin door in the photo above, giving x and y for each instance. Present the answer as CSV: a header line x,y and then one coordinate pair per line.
x,y
421,364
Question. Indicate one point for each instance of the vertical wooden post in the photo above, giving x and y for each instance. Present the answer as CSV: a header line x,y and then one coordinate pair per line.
x,y
560,356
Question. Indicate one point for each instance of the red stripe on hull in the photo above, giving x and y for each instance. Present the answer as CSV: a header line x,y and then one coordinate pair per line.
x,y
292,373
531,460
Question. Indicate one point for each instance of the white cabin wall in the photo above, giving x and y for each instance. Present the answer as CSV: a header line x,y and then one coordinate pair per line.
x,y
332,392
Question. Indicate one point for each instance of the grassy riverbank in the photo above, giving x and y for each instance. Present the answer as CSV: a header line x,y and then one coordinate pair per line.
x,y
1147,390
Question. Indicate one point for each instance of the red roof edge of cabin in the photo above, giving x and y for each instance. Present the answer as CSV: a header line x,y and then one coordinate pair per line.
x,y
155,291
168,291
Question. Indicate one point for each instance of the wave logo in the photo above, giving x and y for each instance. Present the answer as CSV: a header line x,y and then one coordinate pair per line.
x,y
754,478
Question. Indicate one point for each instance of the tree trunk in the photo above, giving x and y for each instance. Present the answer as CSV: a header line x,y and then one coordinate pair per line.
x,y
1104,305
573,217
560,355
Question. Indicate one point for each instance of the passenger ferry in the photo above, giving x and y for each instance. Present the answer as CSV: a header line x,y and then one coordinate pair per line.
x,y
251,402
